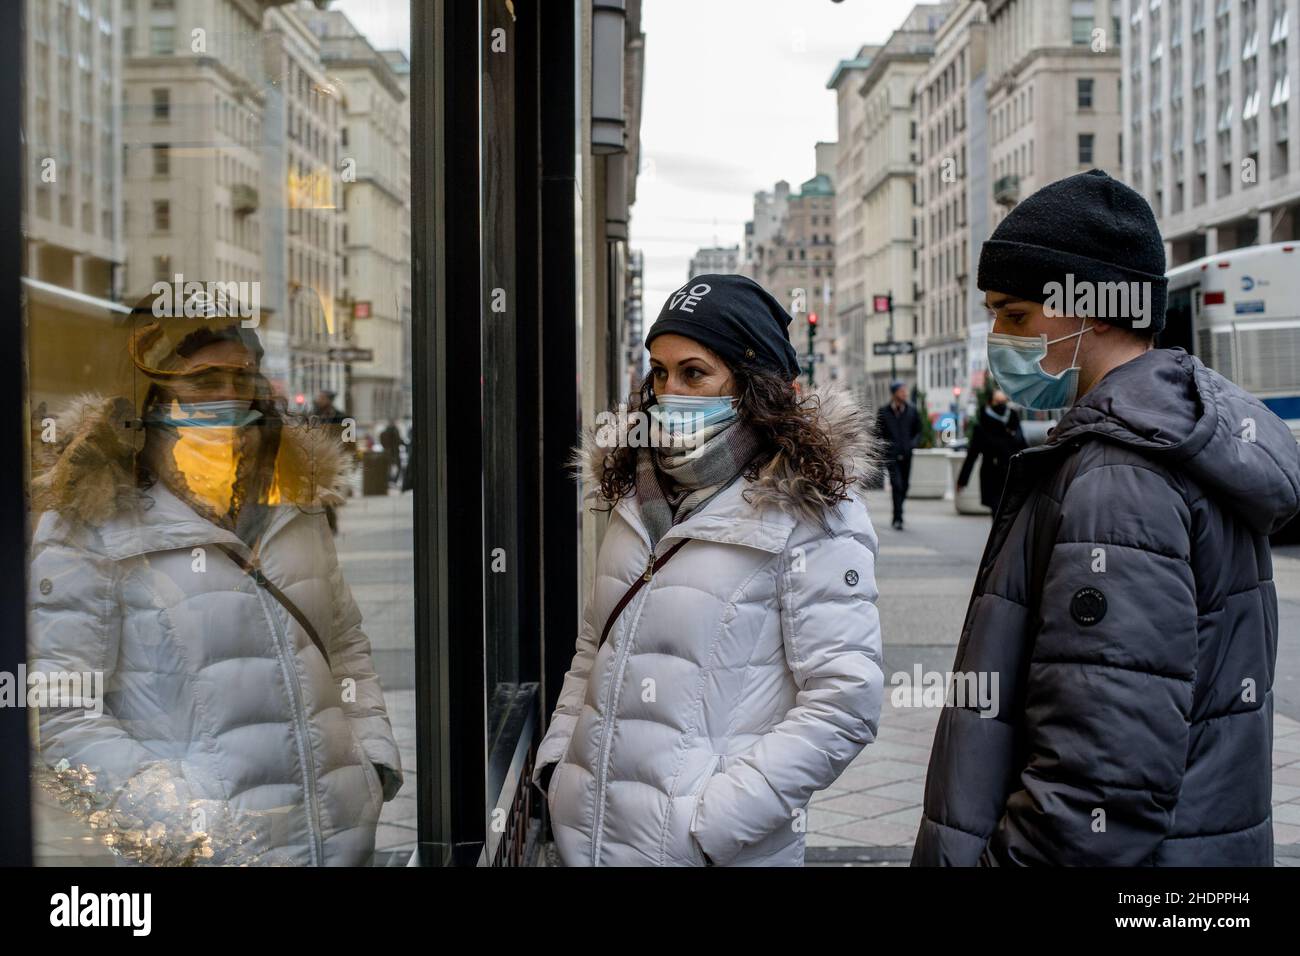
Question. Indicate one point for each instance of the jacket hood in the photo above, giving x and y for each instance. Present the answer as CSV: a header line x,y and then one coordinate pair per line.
x,y
1173,409
89,473
850,430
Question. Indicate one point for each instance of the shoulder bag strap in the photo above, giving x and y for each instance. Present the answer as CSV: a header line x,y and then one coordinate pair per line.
x,y
636,587
268,585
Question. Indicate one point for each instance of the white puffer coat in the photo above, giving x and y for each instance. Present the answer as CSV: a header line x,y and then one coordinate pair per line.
x,y
744,677
214,692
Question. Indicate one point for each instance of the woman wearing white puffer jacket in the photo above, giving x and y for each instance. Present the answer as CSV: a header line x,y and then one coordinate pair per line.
x,y
729,662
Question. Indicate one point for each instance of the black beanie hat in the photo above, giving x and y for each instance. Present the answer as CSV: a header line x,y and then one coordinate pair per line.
x,y
735,317
1090,227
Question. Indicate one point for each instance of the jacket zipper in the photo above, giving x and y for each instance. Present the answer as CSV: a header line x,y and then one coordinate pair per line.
x,y
304,748
602,762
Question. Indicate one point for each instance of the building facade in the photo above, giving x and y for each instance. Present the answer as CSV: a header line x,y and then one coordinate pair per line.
x,y
769,213
74,209
374,156
850,335
799,268
303,251
720,260
890,195
1208,120
192,115
951,223
1053,93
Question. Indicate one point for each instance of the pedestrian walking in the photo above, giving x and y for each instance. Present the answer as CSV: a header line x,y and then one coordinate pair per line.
x,y
899,425
391,440
325,414
995,439
1124,613
729,662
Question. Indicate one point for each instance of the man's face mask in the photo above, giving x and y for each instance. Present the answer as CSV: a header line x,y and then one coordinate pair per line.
x,y
206,450
1016,361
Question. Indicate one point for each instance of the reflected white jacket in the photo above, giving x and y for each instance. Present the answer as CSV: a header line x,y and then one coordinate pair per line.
x,y
214,692
743,678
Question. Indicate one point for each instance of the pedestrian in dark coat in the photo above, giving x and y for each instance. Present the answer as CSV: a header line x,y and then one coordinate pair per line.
x,y
1124,616
996,438
898,424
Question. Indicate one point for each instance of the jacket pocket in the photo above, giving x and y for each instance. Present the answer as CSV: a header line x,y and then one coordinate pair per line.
x,y
552,786
716,766
371,775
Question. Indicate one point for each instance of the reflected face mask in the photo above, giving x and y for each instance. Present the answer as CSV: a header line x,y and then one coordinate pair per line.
x,y
235,413
1016,361
206,449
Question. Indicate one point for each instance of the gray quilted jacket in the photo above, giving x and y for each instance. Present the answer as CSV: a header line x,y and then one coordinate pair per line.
x,y
1126,603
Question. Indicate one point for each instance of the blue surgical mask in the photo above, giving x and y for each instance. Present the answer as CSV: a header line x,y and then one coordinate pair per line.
x,y
226,413
1016,361
684,415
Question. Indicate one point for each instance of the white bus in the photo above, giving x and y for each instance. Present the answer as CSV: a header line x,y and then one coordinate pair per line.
x,y
1239,312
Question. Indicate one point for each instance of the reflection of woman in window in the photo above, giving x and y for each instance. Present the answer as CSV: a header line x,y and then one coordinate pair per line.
x,y
192,567
736,586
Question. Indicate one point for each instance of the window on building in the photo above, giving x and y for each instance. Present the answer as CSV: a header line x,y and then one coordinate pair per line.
x,y
1084,93
1082,15
1086,148
162,103
162,40
161,159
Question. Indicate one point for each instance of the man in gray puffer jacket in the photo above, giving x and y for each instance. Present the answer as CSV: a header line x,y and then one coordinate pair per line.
x,y
1125,602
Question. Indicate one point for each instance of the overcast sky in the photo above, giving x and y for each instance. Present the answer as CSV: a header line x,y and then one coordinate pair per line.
x,y
735,99
385,23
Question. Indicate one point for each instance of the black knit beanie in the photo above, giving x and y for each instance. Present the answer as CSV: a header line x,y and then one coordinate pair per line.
x,y
1089,227
735,317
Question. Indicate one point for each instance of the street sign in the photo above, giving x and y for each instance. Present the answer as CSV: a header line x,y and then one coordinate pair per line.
x,y
816,358
893,348
352,355
882,303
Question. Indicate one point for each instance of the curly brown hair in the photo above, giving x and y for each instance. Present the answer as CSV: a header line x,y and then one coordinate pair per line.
x,y
792,439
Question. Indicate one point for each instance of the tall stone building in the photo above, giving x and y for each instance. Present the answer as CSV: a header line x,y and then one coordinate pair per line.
x,y
375,154
952,218
1208,120
721,260
302,115
1054,93
769,211
797,261
192,118
890,156
74,206
850,354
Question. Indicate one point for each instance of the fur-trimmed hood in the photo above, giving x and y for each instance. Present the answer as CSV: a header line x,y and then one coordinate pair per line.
x,y
848,426
87,473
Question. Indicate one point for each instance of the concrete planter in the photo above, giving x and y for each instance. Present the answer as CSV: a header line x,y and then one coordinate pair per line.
x,y
968,502
931,475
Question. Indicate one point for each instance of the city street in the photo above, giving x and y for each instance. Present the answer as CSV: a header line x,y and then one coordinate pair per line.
x,y
925,575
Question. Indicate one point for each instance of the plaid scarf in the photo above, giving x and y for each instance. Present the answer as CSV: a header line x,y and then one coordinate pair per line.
x,y
672,483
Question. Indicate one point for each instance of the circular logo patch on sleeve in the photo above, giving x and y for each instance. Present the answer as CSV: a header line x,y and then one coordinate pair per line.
x,y
851,578
1088,606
